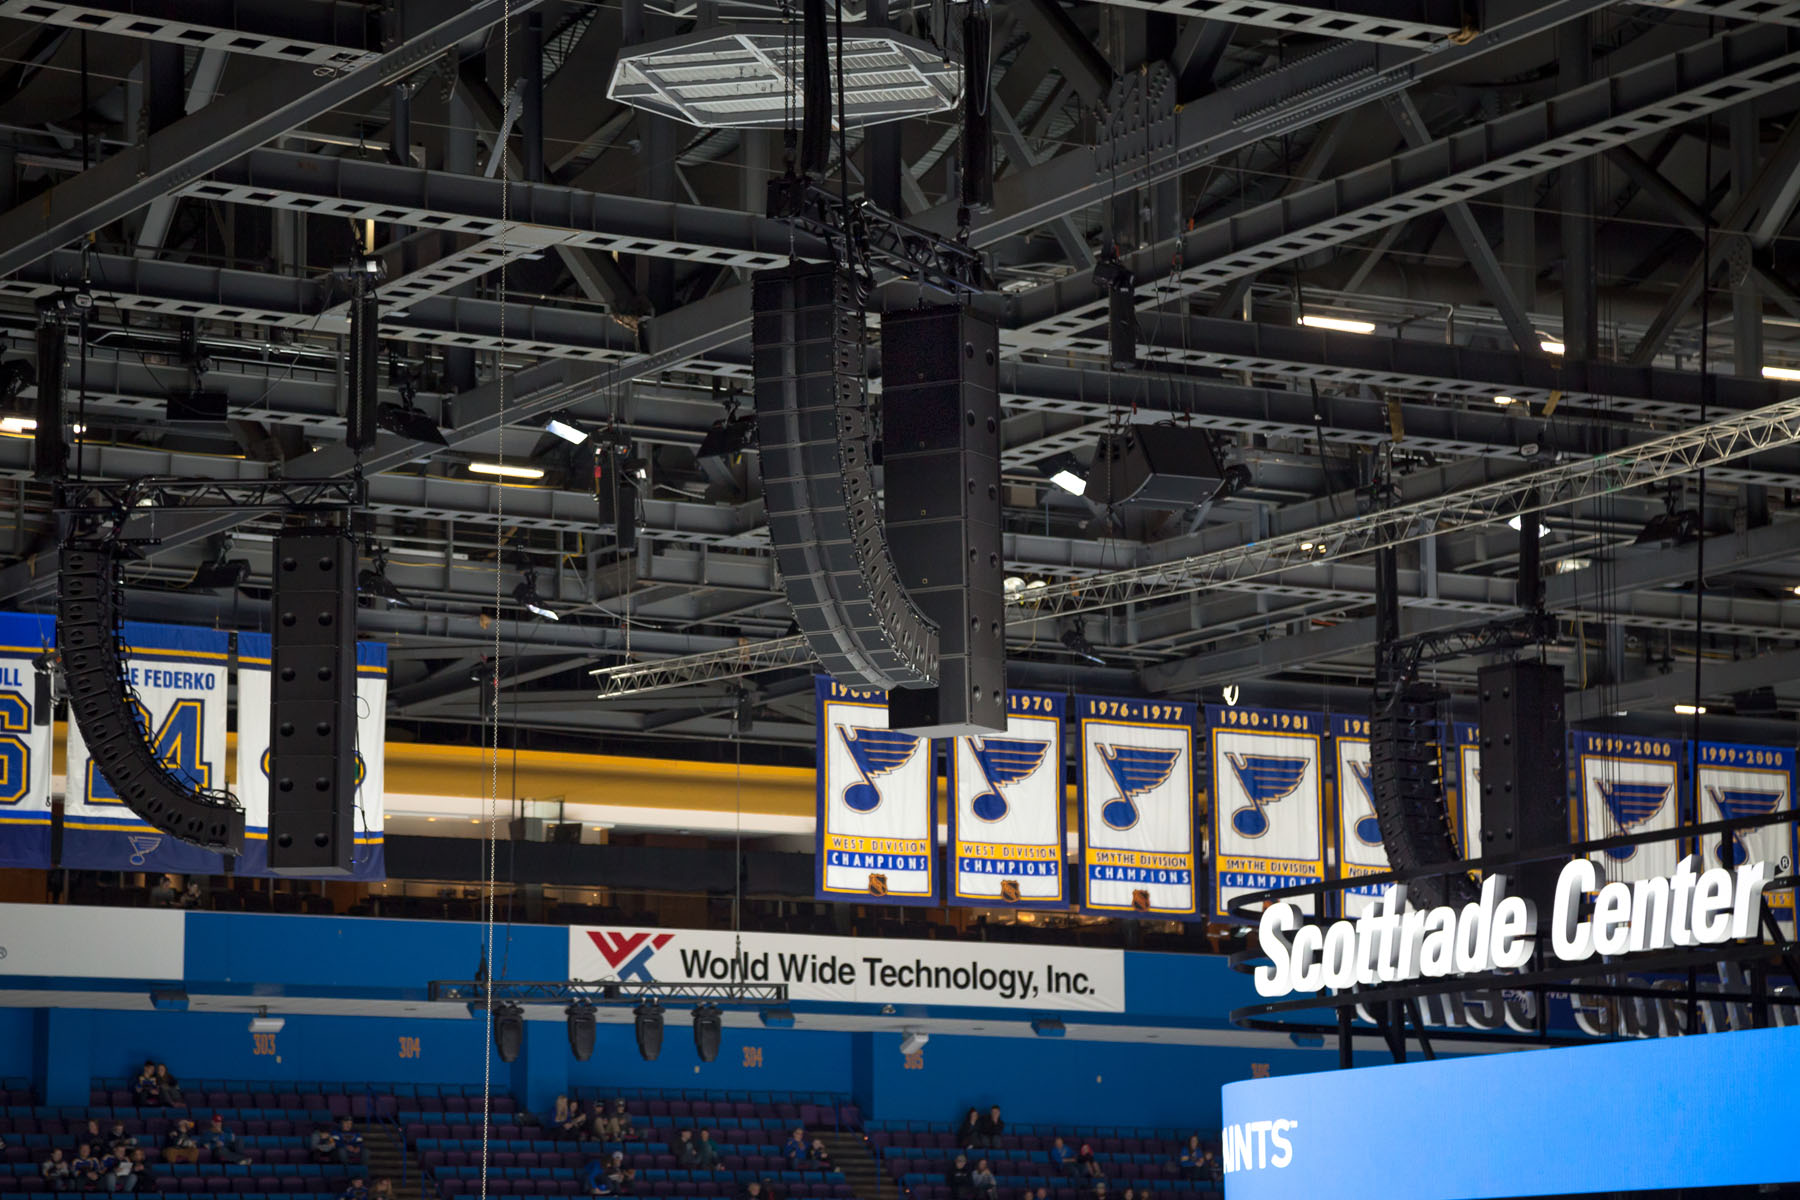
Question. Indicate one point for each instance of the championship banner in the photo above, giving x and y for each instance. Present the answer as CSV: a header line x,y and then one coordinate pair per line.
x,y
1747,781
179,675
1628,785
370,861
877,830
1268,815
25,742
1137,808
1463,776
1359,847
1006,810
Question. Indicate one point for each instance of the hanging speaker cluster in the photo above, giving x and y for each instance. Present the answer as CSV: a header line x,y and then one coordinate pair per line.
x,y
100,699
1406,784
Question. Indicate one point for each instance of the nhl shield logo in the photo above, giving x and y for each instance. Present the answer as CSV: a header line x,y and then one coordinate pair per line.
x,y
877,884
1009,890
1140,899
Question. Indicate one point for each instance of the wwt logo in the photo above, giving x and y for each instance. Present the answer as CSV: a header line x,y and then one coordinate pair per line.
x,y
1253,1145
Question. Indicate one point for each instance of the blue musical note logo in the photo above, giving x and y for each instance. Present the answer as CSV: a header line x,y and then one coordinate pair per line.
x,y
1134,770
142,846
1740,802
1003,761
876,752
1630,804
1266,779
1367,829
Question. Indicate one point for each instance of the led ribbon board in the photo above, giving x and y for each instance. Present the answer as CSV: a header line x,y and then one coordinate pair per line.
x,y
1628,785
1007,815
1462,781
24,743
252,784
1747,781
1268,824
1358,833
877,828
179,675
1137,807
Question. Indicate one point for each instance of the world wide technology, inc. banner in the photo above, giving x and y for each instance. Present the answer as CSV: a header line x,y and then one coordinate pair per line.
x,y
1006,810
25,742
252,787
1359,847
1268,817
877,828
1747,781
1628,785
1137,808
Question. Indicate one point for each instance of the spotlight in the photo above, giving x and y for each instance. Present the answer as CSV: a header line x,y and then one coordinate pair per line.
x,y
649,1023
262,1022
581,1029
913,1042
1075,641
708,1023
409,422
729,437
16,374
1676,525
1069,482
563,427
509,1031
529,600
373,580
221,574
1517,525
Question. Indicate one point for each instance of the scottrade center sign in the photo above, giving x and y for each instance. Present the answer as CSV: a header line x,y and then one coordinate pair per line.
x,y
858,970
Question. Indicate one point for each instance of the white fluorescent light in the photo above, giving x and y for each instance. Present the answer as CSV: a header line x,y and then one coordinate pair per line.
x,y
18,424
1565,566
506,470
1504,400
566,431
1691,710
1787,374
1550,347
1517,525
1070,482
1340,324
538,610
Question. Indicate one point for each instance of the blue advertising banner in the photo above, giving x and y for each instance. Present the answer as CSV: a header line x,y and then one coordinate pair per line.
x,y
179,675
1138,856
370,859
877,827
25,742
1628,784
1358,833
1733,781
1268,802
1679,1112
1007,817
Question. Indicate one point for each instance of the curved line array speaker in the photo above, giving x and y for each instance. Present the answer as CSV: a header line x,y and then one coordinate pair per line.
x,y
103,707
814,428
1406,784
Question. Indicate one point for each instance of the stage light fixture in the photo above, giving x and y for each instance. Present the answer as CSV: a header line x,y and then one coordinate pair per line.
x,y
709,1023
1517,525
562,425
649,1022
221,574
581,1029
409,422
262,1022
373,581
1075,641
1676,525
728,438
509,1031
529,600
1069,482
913,1041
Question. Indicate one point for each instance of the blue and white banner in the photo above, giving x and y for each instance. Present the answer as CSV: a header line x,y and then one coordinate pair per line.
x,y
1268,811
877,829
1629,784
25,742
1359,847
1464,776
1748,781
252,786
1006,810
1138,852
179,675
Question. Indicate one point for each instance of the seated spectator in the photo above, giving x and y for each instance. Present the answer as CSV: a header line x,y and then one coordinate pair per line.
x,y
709,1153
356,1189
55,1170
383,1190
84,1169
162,892
626,1183
571,1121
794,1149
687,1151
1213,1168
178,1144
817,1153
1087,1167
92,1135
984,1183
171,1093
989,1128
752,1191
1189,1161
1061,1157
190,895
122,1143
597,1182
616,1169
349,1143
222,1142
126,1171
1130,1193
959,1179
323,1145
147,1088
1099,1189
1042,1193
969,1130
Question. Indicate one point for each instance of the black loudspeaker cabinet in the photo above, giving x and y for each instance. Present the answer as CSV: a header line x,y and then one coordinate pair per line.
x,y
1524,772
940,424
1156,466
312,709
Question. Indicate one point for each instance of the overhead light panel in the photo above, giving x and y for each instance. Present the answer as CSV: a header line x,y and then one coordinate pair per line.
x,y
1069,482
1785,374
1568,566
1337,324
562,428
505,470
18,424
1550,347
1691,710
1505,400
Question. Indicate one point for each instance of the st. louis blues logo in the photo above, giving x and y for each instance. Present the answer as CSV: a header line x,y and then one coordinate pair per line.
x,y
1367,829
1002,761
142,847
1265,778
875,753
1740,802
1134,770
1630,805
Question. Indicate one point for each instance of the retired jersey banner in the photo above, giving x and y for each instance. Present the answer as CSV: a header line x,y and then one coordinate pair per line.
x,y
1138,851
25,742
1006,810
1629,784
1747,781
1462,772
1268,813
1359,847
179,675
877,830
369,861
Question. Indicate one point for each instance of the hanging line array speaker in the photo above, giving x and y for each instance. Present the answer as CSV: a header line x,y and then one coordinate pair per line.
x,y
1406,784
109,715
814,430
